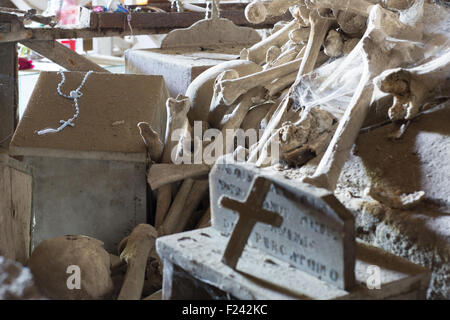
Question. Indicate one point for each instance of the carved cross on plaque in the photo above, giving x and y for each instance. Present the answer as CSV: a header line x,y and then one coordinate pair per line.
x,y
250,212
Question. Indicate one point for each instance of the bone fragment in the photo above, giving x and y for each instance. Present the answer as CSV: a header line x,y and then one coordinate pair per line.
x,y
299,35
349,45
296,52
319,29
281,83
414,87
254,116
333,45
140,242
302,141
351,23
395,199
360,7
200,91
278,26
257,11
301,14
186,202
229,90
272,53
151,139
177,110
257,53
162,174
275,120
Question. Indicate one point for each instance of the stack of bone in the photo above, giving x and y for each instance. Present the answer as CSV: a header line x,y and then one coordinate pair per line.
x,y
311,85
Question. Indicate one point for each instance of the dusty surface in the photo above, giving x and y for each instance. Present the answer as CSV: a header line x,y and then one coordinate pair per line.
x,y
108,117
418,161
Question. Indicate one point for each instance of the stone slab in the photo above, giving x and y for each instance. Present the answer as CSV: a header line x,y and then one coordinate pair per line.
x,y
110,108
262,276
317,232
97,198
178,66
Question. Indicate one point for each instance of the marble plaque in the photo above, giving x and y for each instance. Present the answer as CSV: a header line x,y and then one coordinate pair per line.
x,y
317,233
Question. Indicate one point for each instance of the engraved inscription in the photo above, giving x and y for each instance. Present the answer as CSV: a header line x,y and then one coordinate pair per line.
x,y
309,238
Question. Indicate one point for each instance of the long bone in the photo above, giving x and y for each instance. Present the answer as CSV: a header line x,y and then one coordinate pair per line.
x,y
287,56
281,83
200,91
140,243
275,120
258,11
177,110
382,26
257,52
229,90
186,201
319,29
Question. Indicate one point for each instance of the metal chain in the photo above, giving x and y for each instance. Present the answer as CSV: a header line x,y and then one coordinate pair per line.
x,y
73,95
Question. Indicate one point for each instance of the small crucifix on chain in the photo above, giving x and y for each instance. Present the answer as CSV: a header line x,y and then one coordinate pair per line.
x,y
250,212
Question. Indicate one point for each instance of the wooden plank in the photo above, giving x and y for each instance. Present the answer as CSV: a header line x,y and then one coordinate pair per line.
x,y
62,55
6,224
15,208
21,193
172,20
110,24
8,91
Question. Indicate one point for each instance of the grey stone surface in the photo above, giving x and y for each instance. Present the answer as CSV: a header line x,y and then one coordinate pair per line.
x,y
178,66
317,232
97,198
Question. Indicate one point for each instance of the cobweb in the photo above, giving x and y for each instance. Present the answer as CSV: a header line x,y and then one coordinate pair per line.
x,y
332,85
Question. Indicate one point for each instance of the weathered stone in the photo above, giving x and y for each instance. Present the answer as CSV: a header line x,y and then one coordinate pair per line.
x,y
193,270
317,233
178,66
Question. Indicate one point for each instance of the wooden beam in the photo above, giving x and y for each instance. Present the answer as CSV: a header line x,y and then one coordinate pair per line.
x,y
115,24
62,55
8,92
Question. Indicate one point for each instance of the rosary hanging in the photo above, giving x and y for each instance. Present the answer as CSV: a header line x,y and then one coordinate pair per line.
x,y
73,95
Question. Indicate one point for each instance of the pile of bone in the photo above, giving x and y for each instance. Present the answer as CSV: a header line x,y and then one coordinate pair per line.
x,y
310,86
